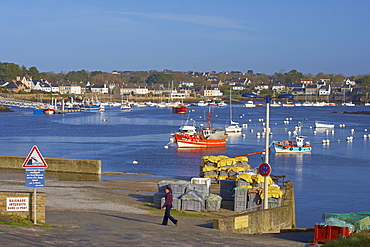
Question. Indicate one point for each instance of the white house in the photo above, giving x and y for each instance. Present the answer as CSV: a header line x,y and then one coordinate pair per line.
x,y
102,89
75,89
261,86
141,90
324,90
348,81
278,88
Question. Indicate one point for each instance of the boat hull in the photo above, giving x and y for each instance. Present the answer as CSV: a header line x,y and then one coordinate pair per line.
x,y
184,141
285,148
180,109
319,124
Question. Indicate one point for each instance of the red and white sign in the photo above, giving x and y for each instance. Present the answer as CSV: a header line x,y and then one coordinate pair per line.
x,y
264,169
17,204
34,159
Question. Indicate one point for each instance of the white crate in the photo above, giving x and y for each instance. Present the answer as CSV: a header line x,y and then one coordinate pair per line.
x,y
206,181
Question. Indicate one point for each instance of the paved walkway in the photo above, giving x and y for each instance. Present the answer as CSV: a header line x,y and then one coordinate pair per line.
x,y
107,214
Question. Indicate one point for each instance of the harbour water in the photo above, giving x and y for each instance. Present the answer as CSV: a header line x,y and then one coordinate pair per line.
x,y
333,178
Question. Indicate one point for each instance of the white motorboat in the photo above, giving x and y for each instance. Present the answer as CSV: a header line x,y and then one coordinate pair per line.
x,y
322,124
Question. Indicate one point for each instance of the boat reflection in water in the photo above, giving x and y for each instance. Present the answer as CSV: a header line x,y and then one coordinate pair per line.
x,y
285,160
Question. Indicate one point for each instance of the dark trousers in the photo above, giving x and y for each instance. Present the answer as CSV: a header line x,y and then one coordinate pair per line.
x,y
167,215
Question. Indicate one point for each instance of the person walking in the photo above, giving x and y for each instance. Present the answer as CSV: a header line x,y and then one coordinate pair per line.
x,y
168,205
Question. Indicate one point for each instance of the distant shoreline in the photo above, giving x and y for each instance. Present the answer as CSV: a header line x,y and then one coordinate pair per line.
x,y
357,112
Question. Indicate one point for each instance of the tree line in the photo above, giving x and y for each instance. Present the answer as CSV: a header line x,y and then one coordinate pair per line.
x,y
10,71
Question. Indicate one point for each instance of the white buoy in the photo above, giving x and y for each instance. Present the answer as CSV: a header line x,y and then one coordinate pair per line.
x,y
165,147
250,120
135,162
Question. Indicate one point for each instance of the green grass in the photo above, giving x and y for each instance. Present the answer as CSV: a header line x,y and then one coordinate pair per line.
x,y
359,239
174,212
18,221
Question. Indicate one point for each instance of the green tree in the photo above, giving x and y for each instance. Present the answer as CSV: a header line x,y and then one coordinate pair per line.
x,y
34,73
158,78
135,80
94,73
78,76
9,71
293,76
365,81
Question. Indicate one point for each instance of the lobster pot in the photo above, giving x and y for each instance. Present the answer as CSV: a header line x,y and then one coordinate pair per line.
x,y
162,185
202,189
158,197
224,173
233,174
176,203
213,202
178,189
227,189
242,182
208,163
274,202
240,199
206,181
215,173
254,184
191,205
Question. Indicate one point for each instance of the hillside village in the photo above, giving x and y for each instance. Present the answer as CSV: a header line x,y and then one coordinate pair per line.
x,y
206,85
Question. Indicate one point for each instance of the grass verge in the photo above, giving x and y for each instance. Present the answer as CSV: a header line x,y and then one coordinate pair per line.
x,y
18,221
358,239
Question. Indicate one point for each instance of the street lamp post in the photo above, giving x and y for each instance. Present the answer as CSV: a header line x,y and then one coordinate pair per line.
x,y
267,141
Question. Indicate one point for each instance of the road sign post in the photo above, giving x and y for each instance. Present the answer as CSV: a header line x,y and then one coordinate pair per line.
x,y
265,171
35,173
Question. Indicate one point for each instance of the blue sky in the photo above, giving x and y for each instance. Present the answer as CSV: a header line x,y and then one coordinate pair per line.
x,y
330,36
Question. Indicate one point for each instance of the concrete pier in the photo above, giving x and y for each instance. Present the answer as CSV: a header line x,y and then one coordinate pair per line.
x,y
56,164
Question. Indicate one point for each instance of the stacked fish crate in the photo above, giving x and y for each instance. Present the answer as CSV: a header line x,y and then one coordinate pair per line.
x,y
193,196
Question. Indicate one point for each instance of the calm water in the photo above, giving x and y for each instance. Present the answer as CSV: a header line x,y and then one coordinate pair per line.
x,y
334,178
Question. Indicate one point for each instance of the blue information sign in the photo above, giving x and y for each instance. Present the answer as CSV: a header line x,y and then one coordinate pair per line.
x,y
35,177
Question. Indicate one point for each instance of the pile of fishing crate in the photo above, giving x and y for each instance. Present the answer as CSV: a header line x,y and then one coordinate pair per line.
x,y
193,196
239,183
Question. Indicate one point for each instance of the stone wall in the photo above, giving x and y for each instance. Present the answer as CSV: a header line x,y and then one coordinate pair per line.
x,y
17,204
262,221
56,164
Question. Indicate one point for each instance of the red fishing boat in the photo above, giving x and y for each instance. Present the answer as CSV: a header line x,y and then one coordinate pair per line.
x,y
189,136
180,109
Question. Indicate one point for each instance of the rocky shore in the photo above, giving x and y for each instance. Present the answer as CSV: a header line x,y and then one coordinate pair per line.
x,y
4,109
117,211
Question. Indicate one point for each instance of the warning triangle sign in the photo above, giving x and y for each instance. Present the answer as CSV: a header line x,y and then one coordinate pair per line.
x,y
34,159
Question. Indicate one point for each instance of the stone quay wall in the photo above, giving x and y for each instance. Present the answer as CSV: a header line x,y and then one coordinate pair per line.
x,y
55,164
262,221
